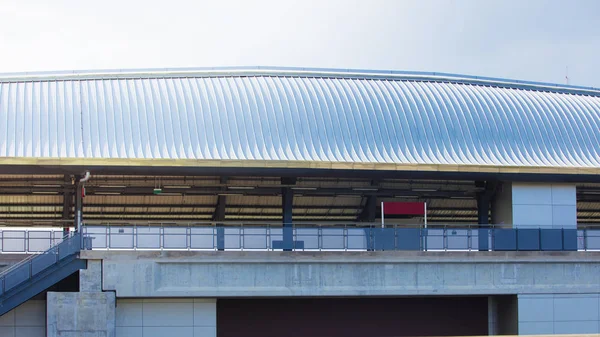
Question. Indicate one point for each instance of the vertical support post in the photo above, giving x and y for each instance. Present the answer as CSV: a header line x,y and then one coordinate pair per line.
x,y
368,214
382,216
483,209
484,200
369,211
67,204
78,206
287,202
219,215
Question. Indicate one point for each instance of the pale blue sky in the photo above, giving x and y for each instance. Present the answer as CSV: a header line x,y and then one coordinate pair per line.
x,y
522,39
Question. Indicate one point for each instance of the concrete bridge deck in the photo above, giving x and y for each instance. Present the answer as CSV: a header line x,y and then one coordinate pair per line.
x,y
248,274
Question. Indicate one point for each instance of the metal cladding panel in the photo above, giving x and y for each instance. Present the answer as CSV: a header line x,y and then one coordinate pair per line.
x,y
296,118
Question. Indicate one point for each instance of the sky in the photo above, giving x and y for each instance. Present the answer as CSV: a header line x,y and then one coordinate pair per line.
x,y
534,40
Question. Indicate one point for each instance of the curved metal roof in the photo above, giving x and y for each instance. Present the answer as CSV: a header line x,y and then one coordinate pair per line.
x,y
306,118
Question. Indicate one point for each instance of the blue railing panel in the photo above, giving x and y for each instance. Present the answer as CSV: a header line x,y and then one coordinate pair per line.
x,y
17,276
233,238
528,239
147,237
408,239
434,239
570,239
333,238
309,237
505,239
44,261
255,238
551,240
175,238
357,239
203,237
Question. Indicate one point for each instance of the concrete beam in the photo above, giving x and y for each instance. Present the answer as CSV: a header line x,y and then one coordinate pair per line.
x,y
240,274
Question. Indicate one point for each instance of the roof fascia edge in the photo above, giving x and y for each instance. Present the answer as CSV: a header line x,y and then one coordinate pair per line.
x,y
295,72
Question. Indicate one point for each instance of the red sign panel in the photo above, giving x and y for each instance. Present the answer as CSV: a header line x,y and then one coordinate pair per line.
x,y
404,208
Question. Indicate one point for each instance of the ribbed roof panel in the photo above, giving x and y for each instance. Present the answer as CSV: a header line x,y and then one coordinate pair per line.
x,y
299,118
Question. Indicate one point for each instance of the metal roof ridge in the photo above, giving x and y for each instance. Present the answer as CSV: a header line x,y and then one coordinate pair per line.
x,y
292,72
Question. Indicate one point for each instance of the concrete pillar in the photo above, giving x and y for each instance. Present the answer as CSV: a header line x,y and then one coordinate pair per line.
x,y
89,312
90,279
287,200
492,316
80,314
535,205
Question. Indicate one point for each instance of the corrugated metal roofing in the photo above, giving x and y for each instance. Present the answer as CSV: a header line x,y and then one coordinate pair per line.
x,y
282,116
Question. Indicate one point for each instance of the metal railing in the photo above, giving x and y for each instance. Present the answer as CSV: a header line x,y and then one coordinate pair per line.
x,y
28,241
37,263
261,236
255,237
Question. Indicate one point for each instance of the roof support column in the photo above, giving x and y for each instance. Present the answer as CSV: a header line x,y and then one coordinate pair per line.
x,y
368,214
369,211
67,204
219,215
484,199
287,201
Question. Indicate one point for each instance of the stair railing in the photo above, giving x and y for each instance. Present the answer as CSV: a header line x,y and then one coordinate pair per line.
x,y
69,245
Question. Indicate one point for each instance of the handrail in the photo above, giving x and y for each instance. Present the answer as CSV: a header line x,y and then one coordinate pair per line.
x,y
32,256
349,238
59,224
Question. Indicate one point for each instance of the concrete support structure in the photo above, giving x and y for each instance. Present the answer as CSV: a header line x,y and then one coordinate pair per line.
x,y
535,205
80,314
90,312
272,274
529,292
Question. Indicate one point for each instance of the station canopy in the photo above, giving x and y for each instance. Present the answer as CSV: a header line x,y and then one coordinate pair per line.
x,y
240,135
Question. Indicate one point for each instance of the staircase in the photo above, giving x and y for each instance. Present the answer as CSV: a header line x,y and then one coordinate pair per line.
x,y
38,272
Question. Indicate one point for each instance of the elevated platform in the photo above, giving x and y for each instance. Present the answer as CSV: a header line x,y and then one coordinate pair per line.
x,y
284,274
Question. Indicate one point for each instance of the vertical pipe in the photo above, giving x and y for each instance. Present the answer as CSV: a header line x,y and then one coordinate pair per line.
x,y
425,213
382,216
78,206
